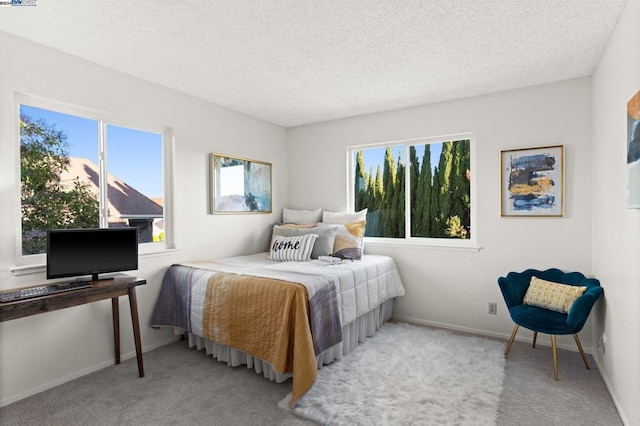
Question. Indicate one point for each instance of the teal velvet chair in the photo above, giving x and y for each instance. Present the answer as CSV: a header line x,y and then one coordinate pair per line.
x,y
540,320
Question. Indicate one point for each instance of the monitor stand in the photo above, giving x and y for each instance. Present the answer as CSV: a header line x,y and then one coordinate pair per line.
x,y
94,277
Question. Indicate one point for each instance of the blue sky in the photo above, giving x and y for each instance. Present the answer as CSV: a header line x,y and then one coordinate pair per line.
x,y
375,157
134,156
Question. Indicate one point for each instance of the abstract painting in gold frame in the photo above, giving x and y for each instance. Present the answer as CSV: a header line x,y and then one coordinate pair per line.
x,y
532,182
240,185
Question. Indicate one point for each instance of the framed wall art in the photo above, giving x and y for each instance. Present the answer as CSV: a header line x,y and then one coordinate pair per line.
x,y
633,152
240,185
532,182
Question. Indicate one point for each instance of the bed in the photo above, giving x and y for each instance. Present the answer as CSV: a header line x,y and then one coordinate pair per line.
x,y
283,319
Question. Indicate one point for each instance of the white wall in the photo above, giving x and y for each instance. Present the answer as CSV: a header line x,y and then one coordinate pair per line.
x,y
44,350
452,288
444,287
616,229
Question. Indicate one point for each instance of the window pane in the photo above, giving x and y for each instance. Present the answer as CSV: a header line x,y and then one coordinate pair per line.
x,y
134,169
58,174
380,187
441,190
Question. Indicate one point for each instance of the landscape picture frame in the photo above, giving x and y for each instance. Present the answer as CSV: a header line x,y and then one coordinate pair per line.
x,y
240,185
532,182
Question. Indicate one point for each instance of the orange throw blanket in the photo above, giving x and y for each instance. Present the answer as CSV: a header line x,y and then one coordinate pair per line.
x,y
274,327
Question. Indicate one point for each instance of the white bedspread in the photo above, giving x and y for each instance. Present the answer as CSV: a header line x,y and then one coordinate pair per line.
x,y
361,285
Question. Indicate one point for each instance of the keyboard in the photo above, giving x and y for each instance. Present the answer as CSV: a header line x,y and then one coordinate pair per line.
x,y
44,290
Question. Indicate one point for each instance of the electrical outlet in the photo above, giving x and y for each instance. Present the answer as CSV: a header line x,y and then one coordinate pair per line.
x,y
493,308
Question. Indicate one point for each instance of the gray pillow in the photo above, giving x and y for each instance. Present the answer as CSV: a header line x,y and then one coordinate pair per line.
x,y
323,245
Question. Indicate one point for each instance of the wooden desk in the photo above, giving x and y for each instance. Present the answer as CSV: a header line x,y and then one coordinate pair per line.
x,y
121,285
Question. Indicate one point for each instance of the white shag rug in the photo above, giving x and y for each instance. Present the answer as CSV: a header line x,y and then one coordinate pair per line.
x,y
409,375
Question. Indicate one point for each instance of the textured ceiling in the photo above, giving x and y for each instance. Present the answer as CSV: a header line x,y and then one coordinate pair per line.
x,y
294,62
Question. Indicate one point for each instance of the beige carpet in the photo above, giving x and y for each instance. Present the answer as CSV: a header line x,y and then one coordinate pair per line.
x,y
184,386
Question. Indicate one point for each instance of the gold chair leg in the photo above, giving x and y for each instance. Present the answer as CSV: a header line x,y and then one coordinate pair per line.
x,y
535,336
584,358
555,357
513,336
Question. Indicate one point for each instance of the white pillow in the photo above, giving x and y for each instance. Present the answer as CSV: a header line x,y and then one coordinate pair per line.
x,y
341,218
296,249
301,217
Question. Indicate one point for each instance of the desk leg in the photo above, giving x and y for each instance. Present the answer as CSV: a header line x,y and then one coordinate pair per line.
x,y
133,304
115,312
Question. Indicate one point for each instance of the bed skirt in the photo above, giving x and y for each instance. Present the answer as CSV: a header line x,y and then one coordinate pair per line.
x,y
352,334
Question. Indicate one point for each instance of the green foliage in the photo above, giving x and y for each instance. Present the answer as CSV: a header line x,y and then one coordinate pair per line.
x,y
455,229
45,203
445,170
389,225
378,190
399,201
436,218
361,183
414,185
439,198
421,219
461,183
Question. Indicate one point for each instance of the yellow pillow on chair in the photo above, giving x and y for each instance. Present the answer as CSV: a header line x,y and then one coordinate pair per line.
x,y
549,295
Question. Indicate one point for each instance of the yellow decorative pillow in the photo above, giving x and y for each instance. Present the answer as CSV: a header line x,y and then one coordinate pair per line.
x,y
349,239
549,295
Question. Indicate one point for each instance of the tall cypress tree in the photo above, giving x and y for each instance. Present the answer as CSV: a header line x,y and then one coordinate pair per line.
x,y
414,167
371,190
374,215
445,172
373,225
460,184
379,188
388,182
436,227
423,197
399,198
360,184
465,170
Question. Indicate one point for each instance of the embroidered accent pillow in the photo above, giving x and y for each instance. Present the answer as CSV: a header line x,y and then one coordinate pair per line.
x,y
349,239
296,249
323,245
301,217
550,295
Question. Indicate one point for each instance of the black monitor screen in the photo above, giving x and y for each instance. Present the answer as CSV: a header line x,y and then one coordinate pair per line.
x,y
77,252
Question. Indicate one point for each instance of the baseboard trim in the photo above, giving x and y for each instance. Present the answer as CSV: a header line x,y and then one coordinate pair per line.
x,y
501,336
77,374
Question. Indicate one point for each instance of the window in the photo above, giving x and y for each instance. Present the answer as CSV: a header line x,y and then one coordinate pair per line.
x,y
79,169
427,199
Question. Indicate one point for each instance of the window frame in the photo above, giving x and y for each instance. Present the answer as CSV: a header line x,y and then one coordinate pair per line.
x,y
470,244
35,262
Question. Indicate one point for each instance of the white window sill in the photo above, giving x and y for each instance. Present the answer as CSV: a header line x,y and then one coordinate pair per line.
x,y
433,244
41,267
